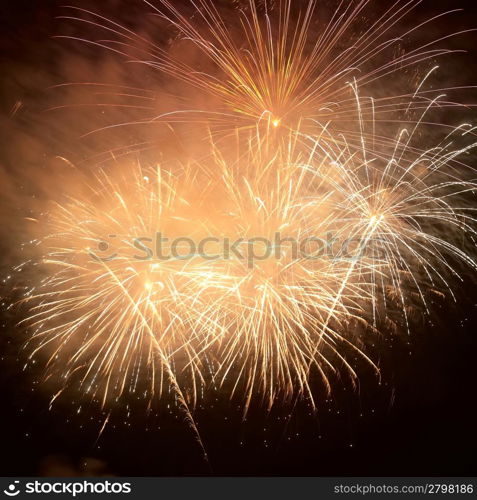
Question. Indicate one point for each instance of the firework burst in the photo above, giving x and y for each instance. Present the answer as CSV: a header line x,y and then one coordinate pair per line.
x,y
258,312
281,66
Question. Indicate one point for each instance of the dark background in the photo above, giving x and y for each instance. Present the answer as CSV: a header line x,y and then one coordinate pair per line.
x,y
418,419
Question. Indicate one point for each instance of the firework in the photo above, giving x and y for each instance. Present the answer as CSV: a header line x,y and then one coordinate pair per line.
x,y
268,320
258,314
281,67
188,313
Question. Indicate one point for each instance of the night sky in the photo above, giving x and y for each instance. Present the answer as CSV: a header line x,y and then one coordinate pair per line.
x,y
416,419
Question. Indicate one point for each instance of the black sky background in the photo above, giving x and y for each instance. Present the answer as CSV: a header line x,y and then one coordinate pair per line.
x,y
418,419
